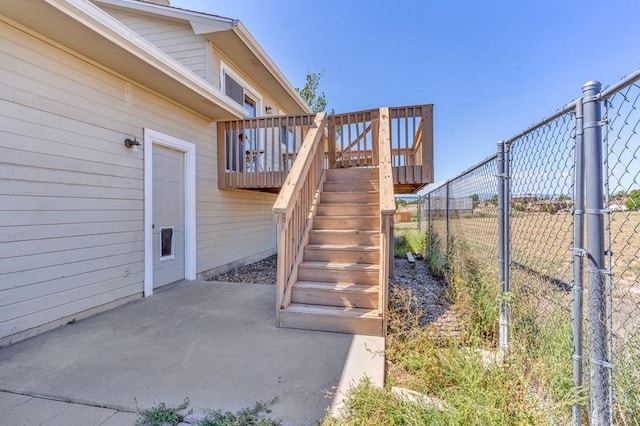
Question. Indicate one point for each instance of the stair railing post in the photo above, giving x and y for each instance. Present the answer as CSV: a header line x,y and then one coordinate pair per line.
x,y
599,364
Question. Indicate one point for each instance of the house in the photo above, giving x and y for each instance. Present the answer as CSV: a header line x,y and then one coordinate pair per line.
x,y
144,144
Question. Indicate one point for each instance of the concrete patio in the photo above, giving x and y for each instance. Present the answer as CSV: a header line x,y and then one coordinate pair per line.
x,y
214,343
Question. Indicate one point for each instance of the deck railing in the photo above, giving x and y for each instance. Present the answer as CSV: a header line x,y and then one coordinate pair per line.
x,y
295,207
353,139
412,144
259,152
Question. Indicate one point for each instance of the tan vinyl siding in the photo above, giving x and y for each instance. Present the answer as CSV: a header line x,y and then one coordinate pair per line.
x,y
174,38
71,194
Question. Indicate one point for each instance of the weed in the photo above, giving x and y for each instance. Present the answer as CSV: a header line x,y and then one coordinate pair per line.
x,y
435,260
408,240
250,416
533,384
162,414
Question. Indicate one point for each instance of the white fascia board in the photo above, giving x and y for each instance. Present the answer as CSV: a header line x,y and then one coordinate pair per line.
x,y
203,23
119,34
241,31
173,12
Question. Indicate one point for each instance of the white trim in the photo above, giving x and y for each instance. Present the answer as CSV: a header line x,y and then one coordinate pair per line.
x,y
152,138
209,22
248,89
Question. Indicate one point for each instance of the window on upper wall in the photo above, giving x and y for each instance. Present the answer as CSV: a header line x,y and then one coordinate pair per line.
x,y
233,89
241,92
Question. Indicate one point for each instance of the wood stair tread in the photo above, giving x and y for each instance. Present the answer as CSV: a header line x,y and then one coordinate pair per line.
x,y
332,311
345,231
348,216
350,193
343,247
339,266
338,287
351,204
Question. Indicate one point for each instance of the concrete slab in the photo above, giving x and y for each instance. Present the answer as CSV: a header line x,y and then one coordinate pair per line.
x,y
9,401
121,418
35,411
365,359
78,415
213,343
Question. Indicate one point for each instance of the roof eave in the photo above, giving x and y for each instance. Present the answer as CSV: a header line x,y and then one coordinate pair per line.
x,y
86,29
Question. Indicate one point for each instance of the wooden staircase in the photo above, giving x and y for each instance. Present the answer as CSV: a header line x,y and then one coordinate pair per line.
x,y
337,287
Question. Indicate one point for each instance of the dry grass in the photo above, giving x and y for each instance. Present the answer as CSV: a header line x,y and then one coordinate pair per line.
x,y
541,245
541,279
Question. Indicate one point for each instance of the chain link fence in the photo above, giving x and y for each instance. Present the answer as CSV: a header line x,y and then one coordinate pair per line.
x,y
541,177
550,228
622,245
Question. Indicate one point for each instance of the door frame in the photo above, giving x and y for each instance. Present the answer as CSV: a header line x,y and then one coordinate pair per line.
x,y
151,138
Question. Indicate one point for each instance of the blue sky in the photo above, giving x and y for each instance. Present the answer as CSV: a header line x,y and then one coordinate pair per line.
x,y
492,68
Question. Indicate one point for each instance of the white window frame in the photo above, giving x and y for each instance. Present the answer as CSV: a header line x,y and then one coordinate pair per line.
x,y
249,90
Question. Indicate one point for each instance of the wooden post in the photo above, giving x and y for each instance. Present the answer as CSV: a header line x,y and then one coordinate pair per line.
x,y
387,209
427,144
222,154
332,142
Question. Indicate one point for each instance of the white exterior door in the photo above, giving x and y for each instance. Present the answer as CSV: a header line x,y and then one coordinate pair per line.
x,y
168,216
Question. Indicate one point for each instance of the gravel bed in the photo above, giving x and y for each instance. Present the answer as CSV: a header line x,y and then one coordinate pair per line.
x,y
261,272
430,295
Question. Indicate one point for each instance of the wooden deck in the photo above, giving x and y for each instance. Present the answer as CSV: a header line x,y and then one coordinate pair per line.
x,y
258,154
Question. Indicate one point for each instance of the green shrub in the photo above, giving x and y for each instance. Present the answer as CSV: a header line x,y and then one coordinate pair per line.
x,y
408,240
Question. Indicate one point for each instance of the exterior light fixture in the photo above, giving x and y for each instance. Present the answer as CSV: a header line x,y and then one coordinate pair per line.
x,y
268,110
134,144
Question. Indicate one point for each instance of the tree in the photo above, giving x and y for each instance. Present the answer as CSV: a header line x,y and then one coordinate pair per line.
x,y
620,195
633,201
309,92
475,199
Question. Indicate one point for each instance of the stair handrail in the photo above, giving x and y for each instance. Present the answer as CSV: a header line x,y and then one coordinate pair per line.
x,y
387,210
293,207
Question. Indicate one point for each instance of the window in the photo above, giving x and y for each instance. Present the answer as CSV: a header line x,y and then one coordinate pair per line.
x,y
241,92
233,89
250,105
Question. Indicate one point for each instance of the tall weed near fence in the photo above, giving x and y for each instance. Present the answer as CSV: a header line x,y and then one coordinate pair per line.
x,y
524,234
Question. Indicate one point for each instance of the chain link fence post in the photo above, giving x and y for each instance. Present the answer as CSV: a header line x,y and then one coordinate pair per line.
x,y
503,330
578,254
419,214
429,236
507,229
600,413
448,219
